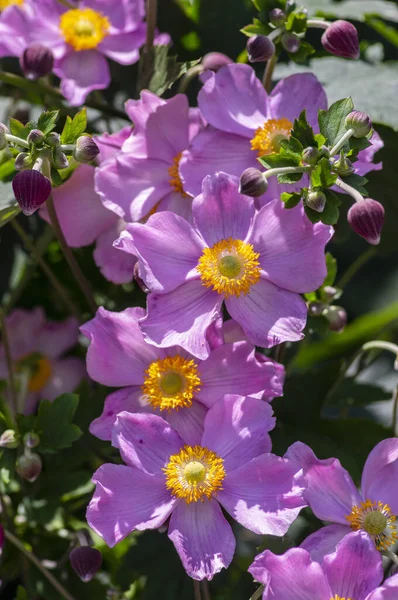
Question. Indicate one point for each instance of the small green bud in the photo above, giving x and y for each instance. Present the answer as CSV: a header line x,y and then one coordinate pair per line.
x,y
36,137
337,317
277,17
8,439
315,308
291,42
29,466
23,161
310,155
31,440
359,122
86,149
343,167
59,159
316,200
53,139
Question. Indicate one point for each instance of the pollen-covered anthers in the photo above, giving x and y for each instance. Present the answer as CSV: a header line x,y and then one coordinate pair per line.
x,y
170,383
267,138
195,473
84,28
6,3
337,597
175,179
376,519
230,267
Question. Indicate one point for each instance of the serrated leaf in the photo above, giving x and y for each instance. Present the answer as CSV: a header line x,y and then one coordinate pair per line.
x,y
75,127
289,177
159,71
290,200
54,423
332,121
273,161
256,28
322,176
291,149
303,131
296,22
47,121
357,182
19,129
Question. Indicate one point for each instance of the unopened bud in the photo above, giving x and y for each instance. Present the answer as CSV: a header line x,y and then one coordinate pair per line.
x,y
85,561
37,61
316,308
337,317
215,60
291,42
310,155
86,149
3,141
360,122
252,183
316,200
29,466
23,161
31,190
343,166
8,439
139,281
31,440
341,39
53,139
366,218
59,159
330,292
36,137
277,17
260,48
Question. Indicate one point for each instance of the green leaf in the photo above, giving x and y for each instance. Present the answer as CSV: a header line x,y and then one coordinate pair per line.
x,y
291,149
313,215
296,22
256,28
302,55
353,9
75,127
273,161
358,182
19,129
21,593
56,178
303,131
290,200
54,423
322,176
354,393
331,265
331,121
290,177
9,207
159,71
47,121
389,33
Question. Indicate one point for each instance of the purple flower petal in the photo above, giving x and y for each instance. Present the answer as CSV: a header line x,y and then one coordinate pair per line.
x,y
292,249
167,129
124,15
115,266
140,110
31,189
380,474
66,374
56,337
355,569
221,212
124,47
364,163
236,428
282,314
80,73
202,538
126,499
110,144
197,122
145,441
324,541
263,495
388,591
188,422
19,322
296,93
233,100
181,318
118,354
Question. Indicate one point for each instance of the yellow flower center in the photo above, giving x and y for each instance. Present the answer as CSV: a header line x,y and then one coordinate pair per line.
x,y
337,597
171,383
41,373
376,519
195,473
5,3
84,28
230,267
175,179
267,139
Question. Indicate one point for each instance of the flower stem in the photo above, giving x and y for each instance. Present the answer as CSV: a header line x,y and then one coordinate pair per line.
x,y
350,190
395,411
16,140
382,345
69,257
355,267
7,351
196,590
269,70
341,142
282,170
257,594
151,14
318,23
206,590
33,559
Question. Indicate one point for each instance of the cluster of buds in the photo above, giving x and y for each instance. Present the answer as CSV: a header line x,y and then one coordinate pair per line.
x,y
336,316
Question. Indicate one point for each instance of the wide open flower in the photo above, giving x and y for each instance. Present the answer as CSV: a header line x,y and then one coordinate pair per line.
x,y
353,572
333,496
169,382
258,263
166,477
145,176
37,347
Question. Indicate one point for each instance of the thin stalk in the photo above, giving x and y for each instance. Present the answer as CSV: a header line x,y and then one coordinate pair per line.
x,y
268,72
395,411
196,590
391,556
46,269
206,589
257,594
151,15
355,267
191,74
69,257
16,140
318,23
381,345
34,560
350,190
282,170
10,369
341,142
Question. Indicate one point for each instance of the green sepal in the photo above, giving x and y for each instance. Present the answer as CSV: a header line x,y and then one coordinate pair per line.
x,y
296,22
290,200
332,121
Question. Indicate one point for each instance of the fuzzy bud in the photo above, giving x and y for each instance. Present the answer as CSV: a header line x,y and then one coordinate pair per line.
x,y
31,440
277,17
36,137
3,141
341,39
8,439
316,200
360,122
316,308
260,48
86,149
29,466
337,317
252,183
366,218
310,155
85,561
53,139
215,60
330,292
291,42
59,159
37,61
31,190
23,161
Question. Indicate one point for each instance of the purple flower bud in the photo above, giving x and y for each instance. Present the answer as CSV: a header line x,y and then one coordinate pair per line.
x,y
8,439
3,141
59,159
29,466
291,42
215,60
366,218
337,317
31,439
53,139
360,122
36,61
316,308
85,562
36,137
260,48
341,39
23,161
310,155
277,17
252,183
86,149
31,190
316,200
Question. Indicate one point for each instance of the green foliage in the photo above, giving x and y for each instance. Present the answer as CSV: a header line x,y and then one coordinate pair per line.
x,y
54,423
290,200
331,121
303,132
21,594
47,121
322,176
75,127
159,71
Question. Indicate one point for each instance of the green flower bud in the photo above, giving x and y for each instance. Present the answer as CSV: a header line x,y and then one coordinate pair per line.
x,y
86,149
8,439
310,155
36,137
53,139
359,122
31,440
316,200
23,161
29,466
59,159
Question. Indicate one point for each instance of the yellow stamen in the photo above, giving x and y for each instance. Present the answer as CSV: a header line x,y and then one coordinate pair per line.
x,y
175,179
337,597
5,3
41,375
230,267
171,383
267,138
195,473
84,28
376,519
